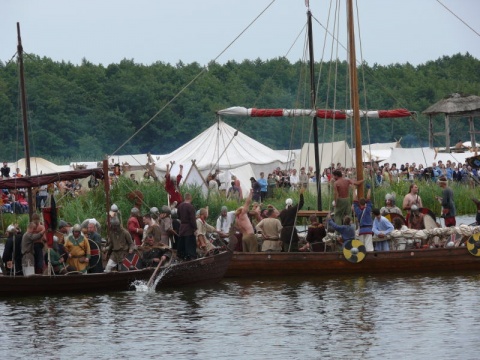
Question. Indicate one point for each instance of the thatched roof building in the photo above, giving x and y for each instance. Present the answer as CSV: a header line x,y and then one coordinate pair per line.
x,y
454,105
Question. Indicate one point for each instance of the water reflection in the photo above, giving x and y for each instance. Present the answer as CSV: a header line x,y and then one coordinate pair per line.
x,y
359,317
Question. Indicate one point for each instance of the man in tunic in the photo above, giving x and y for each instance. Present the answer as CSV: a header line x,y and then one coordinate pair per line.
x,y
118,245
95,236
78,249
203,245
381,228
448,204
224,222
288,216
172,185
133,226
187,244
165,224
12,253
363,212
270,228
152,255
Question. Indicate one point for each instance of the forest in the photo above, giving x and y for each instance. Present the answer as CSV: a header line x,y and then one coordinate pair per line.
x,y
82,112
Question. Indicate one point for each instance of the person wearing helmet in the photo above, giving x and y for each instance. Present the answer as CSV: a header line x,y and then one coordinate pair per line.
x,y
118,244
415,220
287,217
165,223
12,253
78,249
390,207
134,227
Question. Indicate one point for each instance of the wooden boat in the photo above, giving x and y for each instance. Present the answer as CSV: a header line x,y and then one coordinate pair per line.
x,y
416,261
207,270
463,258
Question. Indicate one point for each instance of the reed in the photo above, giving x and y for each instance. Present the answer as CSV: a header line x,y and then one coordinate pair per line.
x,y
92,203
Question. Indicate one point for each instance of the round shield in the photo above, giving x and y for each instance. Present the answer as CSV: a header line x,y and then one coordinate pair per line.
x,y
473,244
392,216
95,254
354,251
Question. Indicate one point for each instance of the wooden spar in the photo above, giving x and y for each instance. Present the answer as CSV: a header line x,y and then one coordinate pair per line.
x,y
354,98
106,184
313,94
25,121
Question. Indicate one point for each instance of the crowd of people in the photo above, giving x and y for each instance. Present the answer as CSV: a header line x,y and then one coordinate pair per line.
x,y
178,228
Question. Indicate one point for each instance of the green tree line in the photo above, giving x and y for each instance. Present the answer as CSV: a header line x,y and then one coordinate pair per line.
x,y
82,112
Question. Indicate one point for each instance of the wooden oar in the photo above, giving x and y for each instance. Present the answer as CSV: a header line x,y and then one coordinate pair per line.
x,y
154,275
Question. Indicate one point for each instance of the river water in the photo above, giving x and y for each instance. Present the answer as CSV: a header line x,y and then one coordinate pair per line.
x,y
428,316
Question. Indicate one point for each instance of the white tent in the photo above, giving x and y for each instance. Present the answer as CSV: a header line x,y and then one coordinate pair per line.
x,y
37,166
378,151
425,156
334,152
224,148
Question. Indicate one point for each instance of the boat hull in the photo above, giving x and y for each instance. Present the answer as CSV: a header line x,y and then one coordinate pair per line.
x,y
202,271
334,263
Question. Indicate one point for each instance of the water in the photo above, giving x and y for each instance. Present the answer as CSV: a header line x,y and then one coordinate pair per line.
x,y
391,317
350,317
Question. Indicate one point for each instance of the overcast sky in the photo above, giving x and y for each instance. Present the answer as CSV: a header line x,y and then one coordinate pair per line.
x,y
147,31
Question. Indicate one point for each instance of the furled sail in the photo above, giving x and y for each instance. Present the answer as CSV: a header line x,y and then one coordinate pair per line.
x,y
320,113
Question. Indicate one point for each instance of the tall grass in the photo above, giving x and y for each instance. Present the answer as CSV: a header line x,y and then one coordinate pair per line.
x,y
92,203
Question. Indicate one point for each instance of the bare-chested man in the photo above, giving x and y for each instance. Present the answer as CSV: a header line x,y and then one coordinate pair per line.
x,y
343,204
249,240
412,198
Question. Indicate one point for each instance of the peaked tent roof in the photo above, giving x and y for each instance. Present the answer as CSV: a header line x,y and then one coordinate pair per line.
x,y
37,166
222,147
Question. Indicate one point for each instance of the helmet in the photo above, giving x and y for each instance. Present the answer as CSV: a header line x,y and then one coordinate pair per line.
x,y
114,221
77,227
11,229
135,211
166,209
388,197
414,208
154,210
288,202
114,208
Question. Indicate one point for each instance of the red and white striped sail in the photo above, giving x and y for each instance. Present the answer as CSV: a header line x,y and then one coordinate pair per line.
x,y
320,113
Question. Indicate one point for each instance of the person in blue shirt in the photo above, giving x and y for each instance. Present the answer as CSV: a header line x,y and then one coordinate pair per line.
x,y
263,186
347,230
363,212
381,228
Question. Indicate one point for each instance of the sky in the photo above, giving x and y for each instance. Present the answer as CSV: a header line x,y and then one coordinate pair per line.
x,y
149,31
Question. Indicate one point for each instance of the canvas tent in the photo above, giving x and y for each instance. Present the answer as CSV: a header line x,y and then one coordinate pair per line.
x,y
425,156
224,148
334,152
37,166
378,151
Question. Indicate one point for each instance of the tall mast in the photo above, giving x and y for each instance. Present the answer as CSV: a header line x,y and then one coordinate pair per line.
x,y
354,97
25,121
313,93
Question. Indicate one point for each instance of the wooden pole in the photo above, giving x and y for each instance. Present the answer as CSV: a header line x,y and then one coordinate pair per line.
x,y
313,103
28,171
354,98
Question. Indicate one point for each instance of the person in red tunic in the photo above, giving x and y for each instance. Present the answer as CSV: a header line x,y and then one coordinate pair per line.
x,y
134,227
171,186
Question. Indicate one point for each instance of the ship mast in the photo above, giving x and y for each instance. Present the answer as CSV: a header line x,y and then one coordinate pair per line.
x,y
354,98
313,94
25,121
